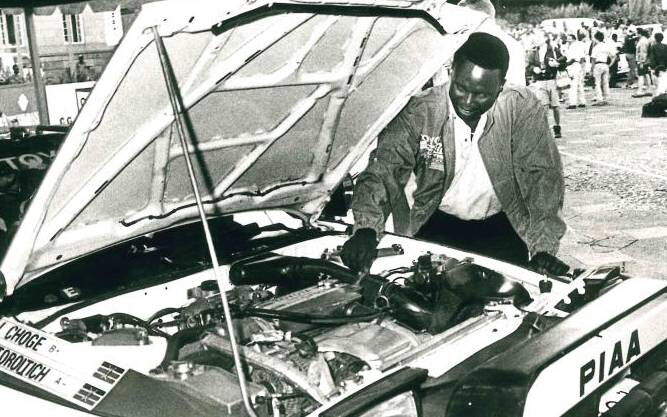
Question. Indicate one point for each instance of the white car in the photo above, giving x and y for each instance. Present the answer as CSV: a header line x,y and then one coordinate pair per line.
x,y
568,25
118,300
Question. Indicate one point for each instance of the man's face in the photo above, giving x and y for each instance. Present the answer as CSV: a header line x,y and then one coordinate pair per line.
x,y
473,90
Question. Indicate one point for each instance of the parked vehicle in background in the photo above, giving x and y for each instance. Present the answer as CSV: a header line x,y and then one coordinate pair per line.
x,y
570,24
25,155
652,28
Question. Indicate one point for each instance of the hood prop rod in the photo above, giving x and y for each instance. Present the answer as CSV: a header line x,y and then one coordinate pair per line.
x,y
223,282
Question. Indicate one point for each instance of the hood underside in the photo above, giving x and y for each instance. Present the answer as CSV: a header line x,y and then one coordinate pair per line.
x,y
281,99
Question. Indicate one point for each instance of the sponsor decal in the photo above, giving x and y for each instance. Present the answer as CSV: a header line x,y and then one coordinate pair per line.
x,y
22,366
430,148
21,336
89,394
72,372
71,292
109,373
609,361
37,160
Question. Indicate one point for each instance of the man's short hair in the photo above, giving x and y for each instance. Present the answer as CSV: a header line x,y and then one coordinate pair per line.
x,y
484,50
599,36
659,37
484,6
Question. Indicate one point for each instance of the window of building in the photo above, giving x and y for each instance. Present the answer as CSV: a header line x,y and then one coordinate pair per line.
x,y
11,29
72,28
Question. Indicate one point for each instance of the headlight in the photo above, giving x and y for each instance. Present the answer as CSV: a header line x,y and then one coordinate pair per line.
x,y
403,405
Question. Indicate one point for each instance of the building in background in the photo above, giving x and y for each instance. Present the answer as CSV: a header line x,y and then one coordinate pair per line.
x,y
75,43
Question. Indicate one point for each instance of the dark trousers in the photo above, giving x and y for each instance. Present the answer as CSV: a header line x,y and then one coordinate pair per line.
x,y
613,74
493,237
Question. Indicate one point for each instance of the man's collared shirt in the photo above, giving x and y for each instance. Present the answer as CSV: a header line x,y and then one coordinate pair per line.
x,y
576,52
602,53
471,195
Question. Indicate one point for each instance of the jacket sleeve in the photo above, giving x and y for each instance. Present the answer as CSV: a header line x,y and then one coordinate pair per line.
x,y
379,189
539,174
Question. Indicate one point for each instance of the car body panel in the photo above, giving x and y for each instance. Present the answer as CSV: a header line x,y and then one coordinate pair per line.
x,y
297,75
281,100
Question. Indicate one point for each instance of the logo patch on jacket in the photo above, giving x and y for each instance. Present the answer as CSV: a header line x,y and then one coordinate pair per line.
x,y
430,148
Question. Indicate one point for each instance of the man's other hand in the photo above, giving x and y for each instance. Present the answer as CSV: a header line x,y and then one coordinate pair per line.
x,y
359,251
543,263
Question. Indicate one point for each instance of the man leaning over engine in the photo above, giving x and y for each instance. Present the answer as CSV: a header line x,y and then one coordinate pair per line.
x,y
488,175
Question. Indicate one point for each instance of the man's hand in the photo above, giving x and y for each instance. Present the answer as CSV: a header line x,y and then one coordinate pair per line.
x,y
543,263
359,251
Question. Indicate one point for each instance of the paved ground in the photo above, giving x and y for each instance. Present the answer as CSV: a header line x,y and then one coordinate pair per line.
x,y
615,165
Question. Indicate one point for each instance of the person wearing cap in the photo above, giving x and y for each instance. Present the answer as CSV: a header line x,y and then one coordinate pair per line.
x,y
488,175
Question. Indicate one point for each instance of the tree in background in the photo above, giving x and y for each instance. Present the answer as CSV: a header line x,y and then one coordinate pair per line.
x,y
639,8
602,4
610,11
639,11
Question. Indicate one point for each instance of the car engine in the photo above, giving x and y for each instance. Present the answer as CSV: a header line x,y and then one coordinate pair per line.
x,y
308,329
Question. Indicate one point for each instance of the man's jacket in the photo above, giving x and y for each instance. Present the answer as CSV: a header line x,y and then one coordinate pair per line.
x,y
629,45
516,146
658,57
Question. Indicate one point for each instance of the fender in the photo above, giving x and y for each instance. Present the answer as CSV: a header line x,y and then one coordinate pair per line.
x,y
552,372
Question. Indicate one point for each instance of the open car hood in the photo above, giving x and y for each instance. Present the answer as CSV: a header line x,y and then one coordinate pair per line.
x,y
281,100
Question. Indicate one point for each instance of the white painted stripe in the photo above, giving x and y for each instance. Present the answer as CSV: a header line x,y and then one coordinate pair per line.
x,y
616,166
638,142
647,232
595,258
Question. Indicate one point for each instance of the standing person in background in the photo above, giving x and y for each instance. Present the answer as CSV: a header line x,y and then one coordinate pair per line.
x,y
576,67
629,49
601,57
642,65
544,64
658,61
615,46
80,70
563,80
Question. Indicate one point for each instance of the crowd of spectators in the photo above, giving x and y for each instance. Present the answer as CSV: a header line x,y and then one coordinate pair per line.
x,y
22,73
602,55
14,74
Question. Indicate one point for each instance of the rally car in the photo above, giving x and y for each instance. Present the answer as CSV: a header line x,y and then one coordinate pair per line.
x,y
174,263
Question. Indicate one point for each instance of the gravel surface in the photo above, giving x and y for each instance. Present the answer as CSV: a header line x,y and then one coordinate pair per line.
x,y
615,166
634,191
616,135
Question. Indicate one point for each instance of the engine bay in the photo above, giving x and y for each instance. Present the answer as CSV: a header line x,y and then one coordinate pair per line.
x,y
308,329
